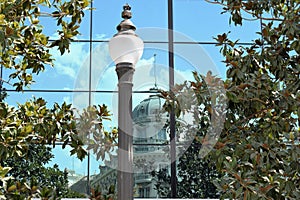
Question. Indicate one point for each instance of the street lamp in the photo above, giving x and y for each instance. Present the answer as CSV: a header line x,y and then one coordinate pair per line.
x,y
125,48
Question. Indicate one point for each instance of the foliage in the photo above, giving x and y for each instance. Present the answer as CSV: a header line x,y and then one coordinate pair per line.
x,y
98,195
196,178
3,180
35,124
24,52
258,150
261,134
24,48
196,172
90,125
31,168
162,180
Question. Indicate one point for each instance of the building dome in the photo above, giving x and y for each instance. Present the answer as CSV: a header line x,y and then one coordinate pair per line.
x,y
149,120
149,110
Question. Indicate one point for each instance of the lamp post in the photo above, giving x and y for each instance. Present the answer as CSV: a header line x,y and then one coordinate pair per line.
x,y
125,49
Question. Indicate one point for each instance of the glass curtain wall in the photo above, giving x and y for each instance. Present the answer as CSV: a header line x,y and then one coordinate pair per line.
x,y
86,76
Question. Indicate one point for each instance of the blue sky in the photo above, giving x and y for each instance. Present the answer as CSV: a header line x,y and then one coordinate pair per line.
x,y
194,20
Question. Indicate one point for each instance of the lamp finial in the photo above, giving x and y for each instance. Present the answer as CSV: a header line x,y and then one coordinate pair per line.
x,y
126,14
126,24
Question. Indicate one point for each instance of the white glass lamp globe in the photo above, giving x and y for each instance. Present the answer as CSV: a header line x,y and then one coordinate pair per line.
x,y
126,48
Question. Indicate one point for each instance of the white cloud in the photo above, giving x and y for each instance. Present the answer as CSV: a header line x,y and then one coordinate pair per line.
x,y
67,99
100,62
65,70
69,63
101,37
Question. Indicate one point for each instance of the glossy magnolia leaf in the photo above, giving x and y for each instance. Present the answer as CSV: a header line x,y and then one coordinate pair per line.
x,y
4,171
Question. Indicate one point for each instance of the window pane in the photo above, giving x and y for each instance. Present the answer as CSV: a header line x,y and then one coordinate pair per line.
x,y
144,14
103,73
70,70
51,97
78,171
202,21
199,58
50,26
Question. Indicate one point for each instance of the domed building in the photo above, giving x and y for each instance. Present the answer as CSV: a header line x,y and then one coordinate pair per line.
x,y
150,137
149,142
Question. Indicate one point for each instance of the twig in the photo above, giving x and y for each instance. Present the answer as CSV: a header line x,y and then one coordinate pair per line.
x,y
1,80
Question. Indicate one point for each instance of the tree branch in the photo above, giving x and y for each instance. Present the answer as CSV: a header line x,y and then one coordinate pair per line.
x,y
251,13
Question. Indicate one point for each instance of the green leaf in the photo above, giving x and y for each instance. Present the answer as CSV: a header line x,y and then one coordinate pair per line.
x,y
4,171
